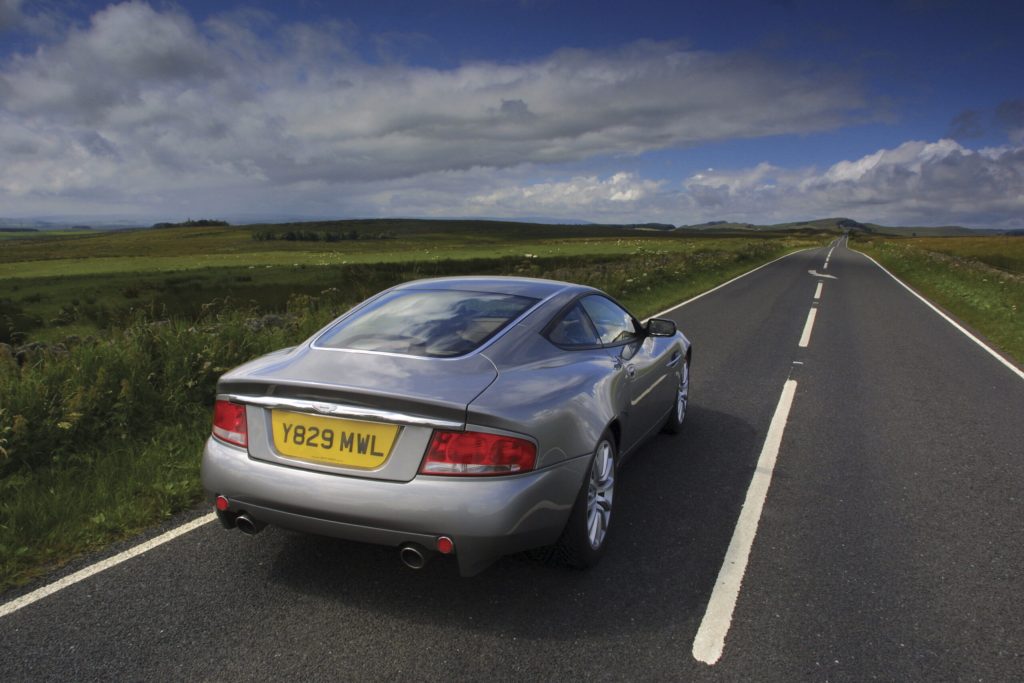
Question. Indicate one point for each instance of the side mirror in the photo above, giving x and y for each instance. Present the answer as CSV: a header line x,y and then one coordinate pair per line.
x,y
659,327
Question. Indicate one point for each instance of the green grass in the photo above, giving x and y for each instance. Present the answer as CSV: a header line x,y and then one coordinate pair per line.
x,y
445,238
106,417
1001,252
76,286
980,280
40,234
56,513
318,254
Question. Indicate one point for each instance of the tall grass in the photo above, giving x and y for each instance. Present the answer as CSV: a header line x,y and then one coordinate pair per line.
x,y
101,436
979,280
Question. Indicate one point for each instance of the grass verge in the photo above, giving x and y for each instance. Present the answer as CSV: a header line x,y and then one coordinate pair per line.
x,y
958,274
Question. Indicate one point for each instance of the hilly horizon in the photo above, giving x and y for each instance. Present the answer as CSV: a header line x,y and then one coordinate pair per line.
x,y
838,224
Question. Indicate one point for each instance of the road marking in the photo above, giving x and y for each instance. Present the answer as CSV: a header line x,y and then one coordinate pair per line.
x,y
805,338
714,627
817,274
82,574
817,292
995,354
715,289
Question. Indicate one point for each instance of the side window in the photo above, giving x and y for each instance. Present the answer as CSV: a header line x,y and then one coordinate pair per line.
x,y
574,329
614,325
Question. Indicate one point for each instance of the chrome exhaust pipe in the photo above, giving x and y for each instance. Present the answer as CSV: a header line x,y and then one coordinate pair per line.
x,y
414,556
248,525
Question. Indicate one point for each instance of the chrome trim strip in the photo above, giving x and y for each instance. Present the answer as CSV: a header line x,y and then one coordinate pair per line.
x,y
336,410
649,390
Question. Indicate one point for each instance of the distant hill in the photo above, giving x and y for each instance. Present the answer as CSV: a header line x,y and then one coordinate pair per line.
x,y
46,225
199,223
392,228
838,225
821,224
539,226
944,231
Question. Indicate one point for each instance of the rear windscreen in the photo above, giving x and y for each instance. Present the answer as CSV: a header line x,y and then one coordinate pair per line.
x,y
431,323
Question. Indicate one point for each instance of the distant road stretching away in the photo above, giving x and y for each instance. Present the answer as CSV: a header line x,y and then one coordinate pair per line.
x,y
844,503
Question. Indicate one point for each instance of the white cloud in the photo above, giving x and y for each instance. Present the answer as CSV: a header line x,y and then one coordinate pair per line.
x,y
587,194
916,183
146,112
147,107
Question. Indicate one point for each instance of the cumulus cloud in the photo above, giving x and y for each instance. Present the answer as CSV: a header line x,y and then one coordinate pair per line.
x,y
149,105
145,111
916,183
618,194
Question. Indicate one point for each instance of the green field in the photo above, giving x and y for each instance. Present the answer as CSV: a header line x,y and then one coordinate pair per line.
x,y
111,343
980,280
53,287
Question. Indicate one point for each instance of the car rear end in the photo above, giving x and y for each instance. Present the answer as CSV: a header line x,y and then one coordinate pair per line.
x,y
375,447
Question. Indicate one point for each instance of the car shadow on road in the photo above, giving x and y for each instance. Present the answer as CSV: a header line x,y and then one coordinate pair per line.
x,y
676,503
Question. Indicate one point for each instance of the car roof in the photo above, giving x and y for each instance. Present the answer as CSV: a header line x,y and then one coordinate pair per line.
x,y
519,286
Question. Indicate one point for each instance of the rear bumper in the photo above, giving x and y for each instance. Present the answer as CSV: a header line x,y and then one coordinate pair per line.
x,y
486,517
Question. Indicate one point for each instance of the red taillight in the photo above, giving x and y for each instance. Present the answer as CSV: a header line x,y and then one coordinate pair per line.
x,y
477,454
222,503
229,423
445,545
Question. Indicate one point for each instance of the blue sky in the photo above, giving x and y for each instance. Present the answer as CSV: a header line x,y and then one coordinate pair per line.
x,y
902,112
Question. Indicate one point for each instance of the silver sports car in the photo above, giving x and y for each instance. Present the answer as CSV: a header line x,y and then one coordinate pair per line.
x,y
472,416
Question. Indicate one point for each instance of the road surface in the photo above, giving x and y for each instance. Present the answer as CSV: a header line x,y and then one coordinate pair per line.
x,y
889,536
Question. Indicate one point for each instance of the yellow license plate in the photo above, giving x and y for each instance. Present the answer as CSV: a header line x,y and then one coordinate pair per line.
x,y
332,440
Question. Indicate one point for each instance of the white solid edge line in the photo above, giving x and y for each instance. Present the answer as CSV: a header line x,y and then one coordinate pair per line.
x,y
718,287
805,338
714,627
995,354
82,574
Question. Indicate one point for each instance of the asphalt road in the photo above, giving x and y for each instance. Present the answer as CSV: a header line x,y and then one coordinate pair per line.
x,y
890,544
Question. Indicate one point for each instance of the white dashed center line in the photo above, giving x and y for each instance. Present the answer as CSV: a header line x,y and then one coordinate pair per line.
x,y
805,338
714,627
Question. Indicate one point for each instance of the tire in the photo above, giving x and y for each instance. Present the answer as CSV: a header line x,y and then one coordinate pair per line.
x,y
674,422
585,536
